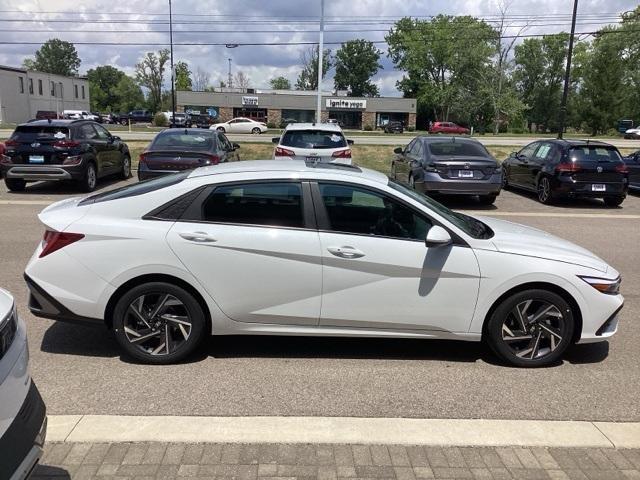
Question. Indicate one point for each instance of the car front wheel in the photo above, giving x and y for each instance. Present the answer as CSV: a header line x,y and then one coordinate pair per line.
x,y
15,184
532,328
158,323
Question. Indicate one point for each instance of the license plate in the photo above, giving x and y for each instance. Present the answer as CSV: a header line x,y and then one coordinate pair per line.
x,y
312,159
598,187
36,159
465,174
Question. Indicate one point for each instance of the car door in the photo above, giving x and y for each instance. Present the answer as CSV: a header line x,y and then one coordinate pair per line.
x,y
536,162
377,271
229,154
633,164
112,151
87,134
518,166
401,163
255,249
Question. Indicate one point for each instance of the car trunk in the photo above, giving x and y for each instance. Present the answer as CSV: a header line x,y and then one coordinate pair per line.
x,y
465,168
175,160
39,145
595,164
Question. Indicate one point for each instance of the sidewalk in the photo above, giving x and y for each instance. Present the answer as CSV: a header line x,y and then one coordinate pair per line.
x,y
145,460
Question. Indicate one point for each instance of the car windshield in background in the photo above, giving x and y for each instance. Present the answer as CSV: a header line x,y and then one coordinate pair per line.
x,y
184,141
466,149
27,133
594,153
313,139
469,225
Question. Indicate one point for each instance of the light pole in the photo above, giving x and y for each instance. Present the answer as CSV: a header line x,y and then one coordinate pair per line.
x,y
567,74
173,82
230,78
320,64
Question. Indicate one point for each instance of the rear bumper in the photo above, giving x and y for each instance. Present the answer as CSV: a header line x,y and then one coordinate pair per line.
x,y
434,183
571,188
43,172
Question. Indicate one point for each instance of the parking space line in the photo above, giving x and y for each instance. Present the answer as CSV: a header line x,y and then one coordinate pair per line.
x,y
344,430
26,202
550,214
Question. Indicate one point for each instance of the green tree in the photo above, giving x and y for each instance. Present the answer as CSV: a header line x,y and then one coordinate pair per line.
x,y
280,83
55,56
356,62
308,78
150,74
103,81
128,94
183,76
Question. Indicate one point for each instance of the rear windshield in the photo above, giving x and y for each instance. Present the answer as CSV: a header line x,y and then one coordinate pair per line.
x,y
139,188
31,133
181,140
594,153
313,139
466,149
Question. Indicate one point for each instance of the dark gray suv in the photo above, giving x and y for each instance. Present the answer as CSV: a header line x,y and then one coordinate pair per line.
x,y
448,165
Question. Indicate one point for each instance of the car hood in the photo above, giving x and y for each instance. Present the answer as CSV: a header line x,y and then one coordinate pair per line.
x,y
6,304
522,240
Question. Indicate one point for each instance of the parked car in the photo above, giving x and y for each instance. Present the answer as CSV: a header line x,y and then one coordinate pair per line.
x,y
47,114
24,422
394,127
180,120
448,127
174,150
316,142
137,116
571,168
633,165
299,248
79,115
287,121
632,134
200,120
448,165
78,150
240,125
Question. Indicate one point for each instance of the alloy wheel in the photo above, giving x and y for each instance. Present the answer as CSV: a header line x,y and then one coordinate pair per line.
x,y
544,190
157,324
91,177
126,167
533,329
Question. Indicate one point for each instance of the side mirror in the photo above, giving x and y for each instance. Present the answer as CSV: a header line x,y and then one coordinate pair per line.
x,y
275,140
437,237
349,142
514,154
235,146
398,150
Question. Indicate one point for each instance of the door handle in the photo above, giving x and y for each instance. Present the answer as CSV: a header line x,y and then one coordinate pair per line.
x,y
345,252
200,237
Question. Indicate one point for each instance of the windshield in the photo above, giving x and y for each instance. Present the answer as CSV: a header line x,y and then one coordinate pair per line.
x,y
466,149
594,153
313,139
472,227
184,140
32,133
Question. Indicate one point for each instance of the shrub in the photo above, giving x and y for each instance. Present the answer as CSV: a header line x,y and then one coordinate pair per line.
x,y
368,128
271,125
160,120
411,128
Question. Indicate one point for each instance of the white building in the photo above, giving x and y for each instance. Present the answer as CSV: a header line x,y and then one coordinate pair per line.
x,y
23,93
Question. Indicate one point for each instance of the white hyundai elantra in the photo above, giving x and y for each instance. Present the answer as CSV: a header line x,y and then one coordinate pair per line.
x,y
284,248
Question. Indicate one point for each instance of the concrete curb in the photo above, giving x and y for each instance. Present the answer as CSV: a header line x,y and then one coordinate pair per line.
x,y
344,430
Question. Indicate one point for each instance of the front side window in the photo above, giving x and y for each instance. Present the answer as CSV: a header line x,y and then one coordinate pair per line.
x,y
268,204
87,132
357,210
529,150
103,134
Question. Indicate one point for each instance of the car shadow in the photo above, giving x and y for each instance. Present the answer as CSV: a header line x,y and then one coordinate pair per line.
x,y
458,202
47,472
70,339
566,202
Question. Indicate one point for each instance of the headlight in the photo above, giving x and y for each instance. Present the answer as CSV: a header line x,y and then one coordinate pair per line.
x,y
604,285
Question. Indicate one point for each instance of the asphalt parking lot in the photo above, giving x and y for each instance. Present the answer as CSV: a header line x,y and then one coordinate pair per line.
x,y
79,370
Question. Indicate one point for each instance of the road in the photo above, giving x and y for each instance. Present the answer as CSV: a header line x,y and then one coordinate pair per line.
x,y
378,139
79,370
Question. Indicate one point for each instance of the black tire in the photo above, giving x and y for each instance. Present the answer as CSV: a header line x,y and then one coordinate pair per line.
x,y
487,199
412,181
393,171
188,308
256,131
505,179
125,173
90,178
545,191
15,184
532,335
221,129
123,123
613,201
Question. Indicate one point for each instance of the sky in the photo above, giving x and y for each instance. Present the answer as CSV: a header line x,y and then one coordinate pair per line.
x,y
257,21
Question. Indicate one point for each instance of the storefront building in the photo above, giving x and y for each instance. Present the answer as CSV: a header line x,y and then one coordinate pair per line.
x,y
279,107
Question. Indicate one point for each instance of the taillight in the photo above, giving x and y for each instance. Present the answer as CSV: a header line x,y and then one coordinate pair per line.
x,y
283,152
5,159
142,158
66,144
622,168
11,143
570,167
342,153
53,241
212,160
75,160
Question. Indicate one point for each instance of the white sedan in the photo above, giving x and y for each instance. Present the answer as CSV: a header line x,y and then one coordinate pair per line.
x,y
632,133
240,125
296,248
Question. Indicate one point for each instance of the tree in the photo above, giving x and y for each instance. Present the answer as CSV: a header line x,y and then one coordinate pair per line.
x,y
55,56
128,94
280,83
103,81
200,80
183,76
150,74
356,62
308,78
241,80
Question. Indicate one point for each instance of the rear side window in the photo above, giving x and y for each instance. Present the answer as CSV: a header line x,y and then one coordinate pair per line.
x,y
269,204
181,140
594,153
466,149
313,139
27,133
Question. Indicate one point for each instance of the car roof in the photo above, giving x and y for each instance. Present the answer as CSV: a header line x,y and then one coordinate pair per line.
x,y
290,166
52,123
332,127
575,142
447,139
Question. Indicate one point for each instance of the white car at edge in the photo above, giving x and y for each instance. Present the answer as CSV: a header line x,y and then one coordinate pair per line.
x,y
314,142
296,248
240,125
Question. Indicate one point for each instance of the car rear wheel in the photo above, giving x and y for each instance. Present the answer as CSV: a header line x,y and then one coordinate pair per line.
x,y
532,328
256,131
613,201
126,167
123,122
159,323
90,179
545,193
15,184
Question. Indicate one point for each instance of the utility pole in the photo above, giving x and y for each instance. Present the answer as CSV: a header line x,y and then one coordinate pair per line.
x,y
567,74
320,64
173,72
230,79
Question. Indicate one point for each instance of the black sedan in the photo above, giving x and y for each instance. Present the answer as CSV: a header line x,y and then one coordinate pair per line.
x,y
174,150
394,127
633,164
570,168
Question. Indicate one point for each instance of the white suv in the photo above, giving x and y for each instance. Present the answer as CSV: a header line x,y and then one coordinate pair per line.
x,y
23,421
315,142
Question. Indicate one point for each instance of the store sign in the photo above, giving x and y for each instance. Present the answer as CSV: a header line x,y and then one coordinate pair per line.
x,y
250,101
344,103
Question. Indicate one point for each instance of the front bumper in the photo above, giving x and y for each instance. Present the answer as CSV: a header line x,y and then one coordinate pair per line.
x,y
43,172
433,183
